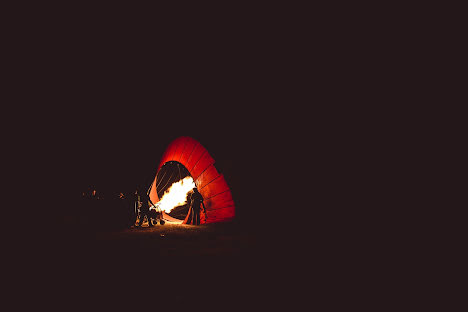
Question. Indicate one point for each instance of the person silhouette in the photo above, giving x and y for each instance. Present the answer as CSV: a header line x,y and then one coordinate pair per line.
x,y
144,209
195,202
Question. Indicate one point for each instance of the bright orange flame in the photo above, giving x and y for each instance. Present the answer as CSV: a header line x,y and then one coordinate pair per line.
x,y
176,194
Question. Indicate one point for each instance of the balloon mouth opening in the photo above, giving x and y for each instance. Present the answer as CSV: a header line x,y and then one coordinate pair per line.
x,y
173,184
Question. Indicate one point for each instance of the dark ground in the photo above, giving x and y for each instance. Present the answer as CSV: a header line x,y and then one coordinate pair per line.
x,y
202,265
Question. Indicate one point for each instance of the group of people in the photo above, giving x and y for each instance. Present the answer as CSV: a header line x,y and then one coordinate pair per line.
x,y
143,201
196,202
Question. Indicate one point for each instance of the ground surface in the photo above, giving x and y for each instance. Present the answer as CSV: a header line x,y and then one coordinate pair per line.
x,y
220,265
181,240
217,262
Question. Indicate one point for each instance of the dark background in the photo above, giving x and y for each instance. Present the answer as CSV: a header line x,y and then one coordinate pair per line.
x,y
117,147
285,112
108,105
286,108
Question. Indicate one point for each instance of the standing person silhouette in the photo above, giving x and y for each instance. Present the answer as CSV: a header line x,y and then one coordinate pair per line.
x,y
195,202
144,210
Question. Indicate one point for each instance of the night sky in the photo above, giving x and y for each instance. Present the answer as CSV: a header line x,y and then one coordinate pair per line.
x,y
107,126
110,109
109,102
112,138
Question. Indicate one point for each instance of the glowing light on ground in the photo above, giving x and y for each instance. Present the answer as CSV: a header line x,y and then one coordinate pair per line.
x,y
176,194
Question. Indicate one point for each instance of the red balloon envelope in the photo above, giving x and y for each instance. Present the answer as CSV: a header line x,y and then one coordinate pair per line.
x,y
210,183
